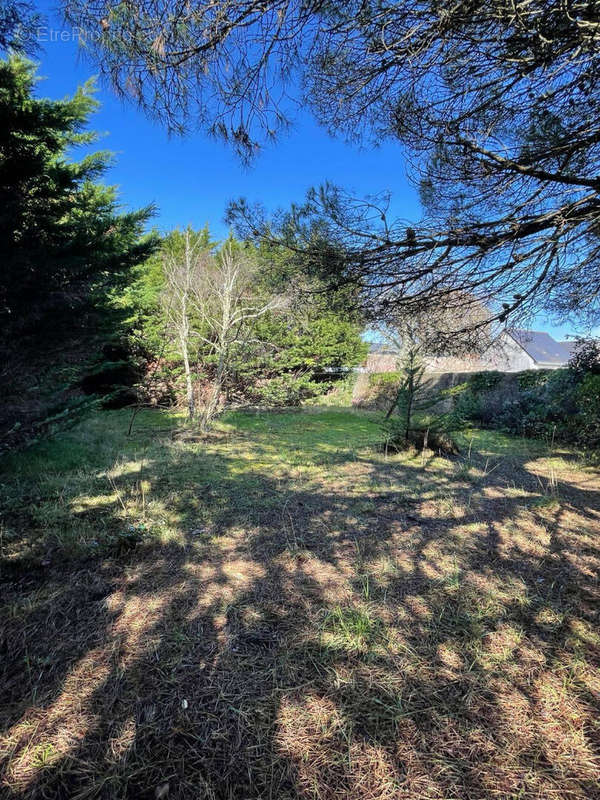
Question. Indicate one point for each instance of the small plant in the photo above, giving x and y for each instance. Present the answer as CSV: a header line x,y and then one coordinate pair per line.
x,y
352,628
410,395
45,755
127,539
588,397
433,434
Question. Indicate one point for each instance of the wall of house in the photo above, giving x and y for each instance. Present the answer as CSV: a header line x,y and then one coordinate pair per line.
x,y
505,355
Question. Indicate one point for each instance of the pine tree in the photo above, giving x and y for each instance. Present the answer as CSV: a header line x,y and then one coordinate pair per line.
x,y
413,395
64,241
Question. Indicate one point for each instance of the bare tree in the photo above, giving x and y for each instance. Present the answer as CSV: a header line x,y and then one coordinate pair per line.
x,y
183,269
226,298
210,300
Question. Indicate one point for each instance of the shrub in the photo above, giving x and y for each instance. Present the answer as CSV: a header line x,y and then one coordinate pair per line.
x,y
434,436
468,405
586,357
385,380
288,390
531,378
588,396
380,390
484,381
338,393
560,395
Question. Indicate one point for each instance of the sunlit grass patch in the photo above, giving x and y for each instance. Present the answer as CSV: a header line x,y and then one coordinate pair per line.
x,y
280,610
352,630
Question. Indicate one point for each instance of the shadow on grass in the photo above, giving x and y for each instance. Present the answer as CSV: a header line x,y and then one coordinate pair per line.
x,y
381,630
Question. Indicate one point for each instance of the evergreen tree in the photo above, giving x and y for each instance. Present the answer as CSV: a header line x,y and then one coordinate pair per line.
x,y
409,397
64,242
497,104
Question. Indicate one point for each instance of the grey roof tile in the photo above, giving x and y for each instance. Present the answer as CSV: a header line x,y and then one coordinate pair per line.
x,y
541,346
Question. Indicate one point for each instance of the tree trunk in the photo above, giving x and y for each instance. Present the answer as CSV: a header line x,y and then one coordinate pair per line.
x,y
188,379
411,391
394,404
183,325
211,406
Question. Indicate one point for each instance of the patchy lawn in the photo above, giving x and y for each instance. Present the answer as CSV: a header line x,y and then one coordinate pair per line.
x,y
280,611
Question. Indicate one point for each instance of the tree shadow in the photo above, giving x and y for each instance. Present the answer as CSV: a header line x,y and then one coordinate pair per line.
x,y
214,666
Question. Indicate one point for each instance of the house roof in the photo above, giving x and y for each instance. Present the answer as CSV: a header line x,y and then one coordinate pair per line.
x,y
570,346
541,346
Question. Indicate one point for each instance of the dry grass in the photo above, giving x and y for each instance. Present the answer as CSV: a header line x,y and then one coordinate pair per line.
x,y
297,616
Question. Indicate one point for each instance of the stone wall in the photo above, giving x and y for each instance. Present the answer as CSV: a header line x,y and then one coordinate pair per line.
x,y
377,392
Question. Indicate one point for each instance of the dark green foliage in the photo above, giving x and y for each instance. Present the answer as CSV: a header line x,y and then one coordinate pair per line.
x,y
588,420
300,339
484,381
63,239
586,357
533,377
466,397
66,248
468,404
284,355
114,381
142,300
553,404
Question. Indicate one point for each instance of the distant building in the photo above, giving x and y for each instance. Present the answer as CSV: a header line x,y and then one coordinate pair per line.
x,y
513,350
382,358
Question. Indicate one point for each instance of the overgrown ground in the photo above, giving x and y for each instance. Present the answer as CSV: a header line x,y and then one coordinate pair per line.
x,y
283,612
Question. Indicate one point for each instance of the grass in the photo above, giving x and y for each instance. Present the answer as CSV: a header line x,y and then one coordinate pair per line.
x,y
281,610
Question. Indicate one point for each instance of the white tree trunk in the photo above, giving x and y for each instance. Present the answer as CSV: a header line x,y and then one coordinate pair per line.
x,y
189,385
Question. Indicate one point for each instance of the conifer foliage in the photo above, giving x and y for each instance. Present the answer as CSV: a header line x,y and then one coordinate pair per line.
x,y
64,241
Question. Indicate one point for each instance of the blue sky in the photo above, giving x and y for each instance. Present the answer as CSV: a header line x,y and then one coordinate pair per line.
x,y
192,179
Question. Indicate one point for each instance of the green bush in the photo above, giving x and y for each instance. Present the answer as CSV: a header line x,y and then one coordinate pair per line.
x,y
588,396
531,378
468,405
484,381
384,380
288,390
547,404
562,404
338,393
